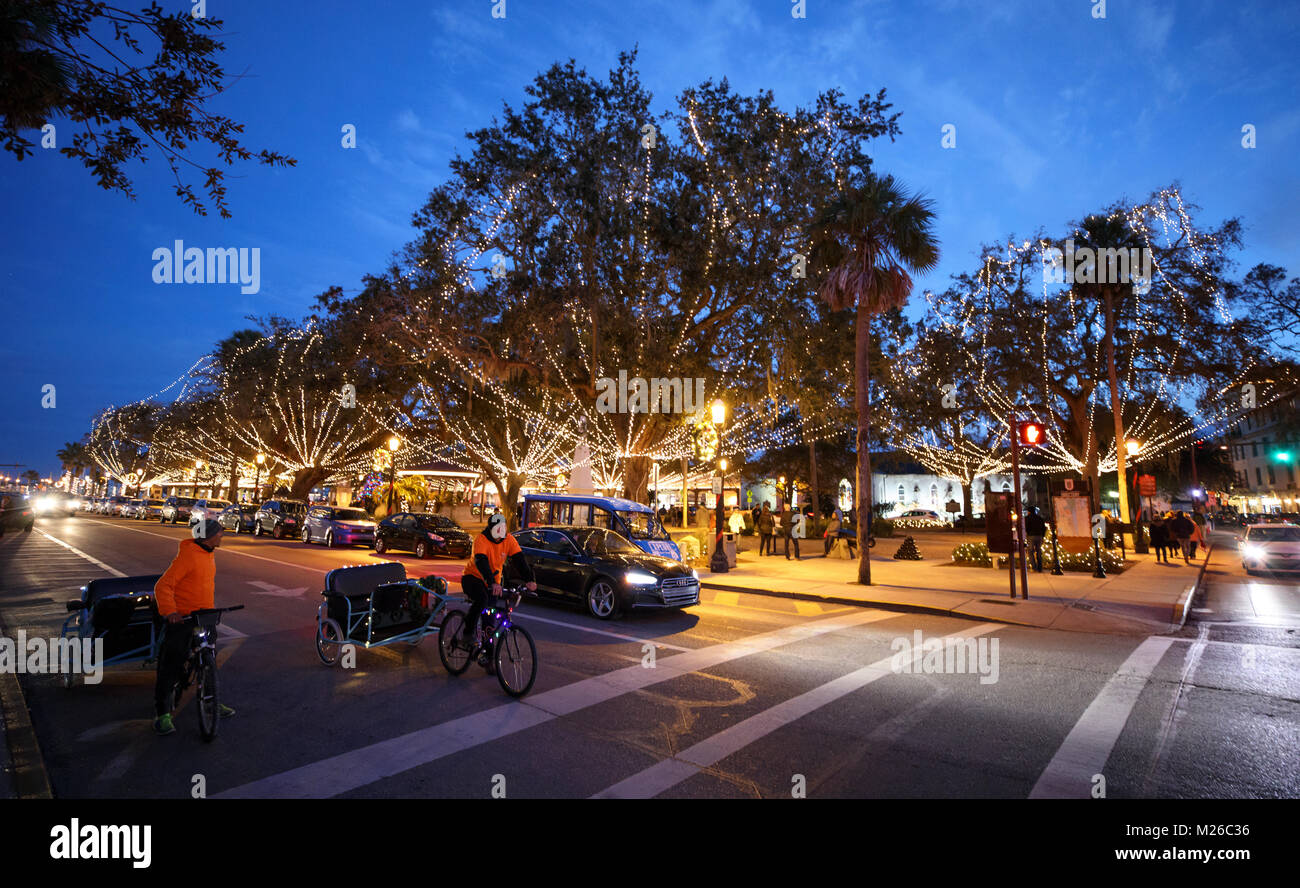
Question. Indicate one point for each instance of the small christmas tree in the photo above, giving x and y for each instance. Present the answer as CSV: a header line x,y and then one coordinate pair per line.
x,y
907,551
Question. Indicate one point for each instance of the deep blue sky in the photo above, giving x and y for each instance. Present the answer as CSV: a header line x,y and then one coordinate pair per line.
x,y
1057,114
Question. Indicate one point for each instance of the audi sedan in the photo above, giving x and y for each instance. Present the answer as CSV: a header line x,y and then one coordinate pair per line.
x,y
604,572
336,526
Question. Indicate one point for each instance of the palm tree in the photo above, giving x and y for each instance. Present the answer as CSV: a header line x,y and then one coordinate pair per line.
x,y
1110,233
868,240
74,458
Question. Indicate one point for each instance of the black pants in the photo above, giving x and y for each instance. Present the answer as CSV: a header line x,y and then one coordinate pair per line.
x,y
765,546
788,540
1036,553
173,651
480,596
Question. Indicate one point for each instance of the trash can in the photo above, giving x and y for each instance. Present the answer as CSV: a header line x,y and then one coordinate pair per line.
x,y
729,546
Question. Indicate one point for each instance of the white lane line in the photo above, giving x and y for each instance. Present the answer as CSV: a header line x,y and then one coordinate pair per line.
x,y
1088,745
73,549
351,770
668,773
525,615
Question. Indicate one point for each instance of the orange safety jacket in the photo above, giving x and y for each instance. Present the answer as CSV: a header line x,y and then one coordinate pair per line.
x,y
188,584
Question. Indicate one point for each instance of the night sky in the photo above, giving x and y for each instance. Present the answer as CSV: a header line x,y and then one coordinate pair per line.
x,y
1057,113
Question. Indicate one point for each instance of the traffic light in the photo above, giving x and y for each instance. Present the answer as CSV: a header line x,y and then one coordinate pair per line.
x,y
1031,434
1282,456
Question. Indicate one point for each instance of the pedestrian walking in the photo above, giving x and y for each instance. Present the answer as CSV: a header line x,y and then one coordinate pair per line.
x,y
1182,528
766,524
1035,530
1160,538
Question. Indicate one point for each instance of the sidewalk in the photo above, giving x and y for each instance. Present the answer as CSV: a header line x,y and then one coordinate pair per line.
x,y
1146,599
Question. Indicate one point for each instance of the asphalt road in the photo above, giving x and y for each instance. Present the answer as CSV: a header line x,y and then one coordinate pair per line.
x,y
745,696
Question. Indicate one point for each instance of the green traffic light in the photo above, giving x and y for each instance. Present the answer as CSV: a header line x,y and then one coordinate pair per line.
x,y
1282,456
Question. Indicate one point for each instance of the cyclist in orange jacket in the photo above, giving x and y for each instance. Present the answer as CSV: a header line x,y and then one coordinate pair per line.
x,y
186,586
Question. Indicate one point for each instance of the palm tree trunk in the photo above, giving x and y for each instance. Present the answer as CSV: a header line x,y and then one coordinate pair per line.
x,y
863,363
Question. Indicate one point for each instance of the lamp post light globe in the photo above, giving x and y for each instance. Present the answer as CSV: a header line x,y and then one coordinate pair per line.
x,y
1132,446
394,442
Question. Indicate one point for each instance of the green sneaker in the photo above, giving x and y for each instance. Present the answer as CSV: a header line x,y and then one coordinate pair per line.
x,y
225,711
162,725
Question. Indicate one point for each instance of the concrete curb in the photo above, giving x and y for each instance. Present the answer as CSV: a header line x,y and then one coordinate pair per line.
x,y
1185,608
29,776
859,602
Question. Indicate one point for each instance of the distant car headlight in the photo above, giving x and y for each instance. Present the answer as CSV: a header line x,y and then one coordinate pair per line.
x,y
43,504
640,578
1252,553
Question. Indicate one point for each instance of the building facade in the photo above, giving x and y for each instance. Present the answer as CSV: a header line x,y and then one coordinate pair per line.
x,y
1265,450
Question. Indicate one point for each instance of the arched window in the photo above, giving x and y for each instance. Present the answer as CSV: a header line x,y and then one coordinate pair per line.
x,y
934,494
902,494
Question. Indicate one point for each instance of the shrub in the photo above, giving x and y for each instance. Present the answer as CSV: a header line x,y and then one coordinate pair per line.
x,y
882,527
973,553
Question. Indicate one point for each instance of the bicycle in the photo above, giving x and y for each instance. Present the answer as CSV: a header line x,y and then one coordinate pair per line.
x,y
499,645
201,668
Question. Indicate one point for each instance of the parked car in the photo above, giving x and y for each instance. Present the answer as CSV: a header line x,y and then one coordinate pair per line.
x,y
279,518
423,533
113,506
338,526
131,508
604,572
919,515
16,511
208,508
150,509
176,509
238,517
1270,547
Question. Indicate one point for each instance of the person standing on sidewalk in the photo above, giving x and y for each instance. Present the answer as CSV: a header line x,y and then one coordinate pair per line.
x,y
787,531
832,532
1035,530
765,527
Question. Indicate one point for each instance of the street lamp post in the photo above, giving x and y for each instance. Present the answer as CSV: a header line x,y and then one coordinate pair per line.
x,y
257,476
393,443
1132,446
719,562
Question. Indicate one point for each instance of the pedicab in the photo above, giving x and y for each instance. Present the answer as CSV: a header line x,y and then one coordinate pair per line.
x,y
121,611
376,605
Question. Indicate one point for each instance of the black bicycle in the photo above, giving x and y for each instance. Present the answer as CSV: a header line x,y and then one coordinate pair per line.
x,y
499,646
201,668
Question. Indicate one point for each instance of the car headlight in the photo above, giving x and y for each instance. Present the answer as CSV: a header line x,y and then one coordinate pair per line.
x,y
640,578
435,538
1253,553
695,574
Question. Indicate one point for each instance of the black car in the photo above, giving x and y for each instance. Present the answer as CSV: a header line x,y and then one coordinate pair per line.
x,y
603,571
423,533
238,518
280,518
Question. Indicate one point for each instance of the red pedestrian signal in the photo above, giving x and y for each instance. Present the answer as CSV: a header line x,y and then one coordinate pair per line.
x,y
1031,434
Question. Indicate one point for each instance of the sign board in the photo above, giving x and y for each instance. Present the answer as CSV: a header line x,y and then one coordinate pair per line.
x,y
1072,513
717,487
953,506
1146,485
997,521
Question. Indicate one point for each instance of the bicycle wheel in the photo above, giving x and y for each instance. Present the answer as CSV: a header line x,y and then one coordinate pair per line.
x,y
452,652
206,696
329,641
516,661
